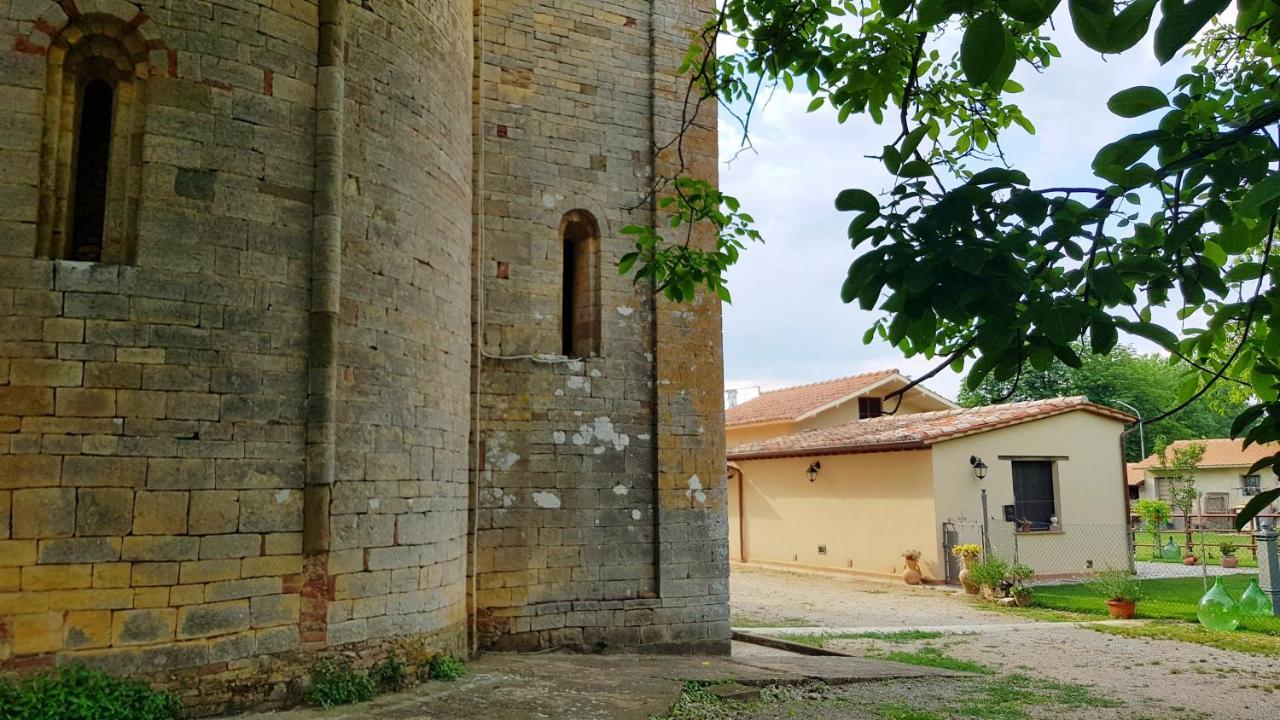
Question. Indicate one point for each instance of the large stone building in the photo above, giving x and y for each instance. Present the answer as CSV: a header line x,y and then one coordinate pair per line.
x,y
310,338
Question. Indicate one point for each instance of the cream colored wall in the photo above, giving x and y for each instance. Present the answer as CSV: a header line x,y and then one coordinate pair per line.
x,y
752,433
1213,480
865,508
1090,490
735,517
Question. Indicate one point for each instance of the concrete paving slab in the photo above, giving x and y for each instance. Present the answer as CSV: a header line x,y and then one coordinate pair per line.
x,y
596,687
846,670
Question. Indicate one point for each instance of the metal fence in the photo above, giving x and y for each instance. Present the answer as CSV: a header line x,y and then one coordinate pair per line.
x,y
1075,551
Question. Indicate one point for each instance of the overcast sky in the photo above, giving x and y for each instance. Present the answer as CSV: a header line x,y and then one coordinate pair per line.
x,y
786,324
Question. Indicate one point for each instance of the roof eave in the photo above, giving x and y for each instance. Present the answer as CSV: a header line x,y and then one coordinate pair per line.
x,y
845,449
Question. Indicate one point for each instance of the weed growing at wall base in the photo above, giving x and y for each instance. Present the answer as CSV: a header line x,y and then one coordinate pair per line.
x,y
445,667
335,682
76,692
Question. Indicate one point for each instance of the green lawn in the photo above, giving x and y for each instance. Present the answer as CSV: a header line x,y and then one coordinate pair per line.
x,y
1145,542
1168,599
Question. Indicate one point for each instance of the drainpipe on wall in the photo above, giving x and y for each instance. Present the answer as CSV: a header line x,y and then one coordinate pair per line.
x,y
326,275
1124,485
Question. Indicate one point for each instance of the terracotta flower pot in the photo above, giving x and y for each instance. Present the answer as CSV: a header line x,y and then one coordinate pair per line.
x,y
969,587
912,575
1230,561
1190,560
1121,609
1023,599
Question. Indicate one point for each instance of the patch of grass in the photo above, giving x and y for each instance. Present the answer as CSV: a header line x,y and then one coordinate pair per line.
x,y
819,640
1008,698
1245,642
746,621
1165,599
1037,613
75,691
335,682
906,712
445,667
1146,552
933,657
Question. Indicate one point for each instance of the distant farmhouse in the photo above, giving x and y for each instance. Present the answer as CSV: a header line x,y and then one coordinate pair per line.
x,y
1223,478
837,476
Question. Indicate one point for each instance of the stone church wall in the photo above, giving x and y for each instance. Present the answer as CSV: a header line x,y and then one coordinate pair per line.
x,y
601,492
155,429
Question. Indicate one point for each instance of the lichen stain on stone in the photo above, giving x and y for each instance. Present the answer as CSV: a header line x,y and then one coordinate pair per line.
x,y
558,437
625,311
695,489
498,454
546,500
282,497
577,382
620,489
635,514
602,431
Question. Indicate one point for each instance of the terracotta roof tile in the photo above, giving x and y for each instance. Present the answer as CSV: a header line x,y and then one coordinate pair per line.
x,y
918,430
790,403
1220,452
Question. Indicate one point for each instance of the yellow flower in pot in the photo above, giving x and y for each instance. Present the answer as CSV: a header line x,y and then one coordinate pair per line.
x,y
968,554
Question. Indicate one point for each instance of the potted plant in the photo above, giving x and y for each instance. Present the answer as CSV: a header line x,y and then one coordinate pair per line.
x,y
968,554
1020,574
912,575
1228,550
990,577
1121,590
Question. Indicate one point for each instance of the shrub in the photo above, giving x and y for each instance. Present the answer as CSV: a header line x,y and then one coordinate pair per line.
x,y
1228,548
989,573
1119,585
335,682
445,667
76,692
391,674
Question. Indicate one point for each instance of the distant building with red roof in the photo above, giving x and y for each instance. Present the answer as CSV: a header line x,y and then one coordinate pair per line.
x,y
837,475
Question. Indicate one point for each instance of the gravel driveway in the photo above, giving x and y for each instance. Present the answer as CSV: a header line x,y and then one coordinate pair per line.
x,y
1163,678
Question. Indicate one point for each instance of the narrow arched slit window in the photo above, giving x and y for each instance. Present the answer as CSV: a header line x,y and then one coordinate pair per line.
x,y
90,174
580,285
92,159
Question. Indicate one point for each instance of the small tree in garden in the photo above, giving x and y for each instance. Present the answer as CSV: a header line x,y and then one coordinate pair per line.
x,y
1155,515
1178,467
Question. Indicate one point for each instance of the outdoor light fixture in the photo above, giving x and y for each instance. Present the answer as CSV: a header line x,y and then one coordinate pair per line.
x,y
814,467
979,467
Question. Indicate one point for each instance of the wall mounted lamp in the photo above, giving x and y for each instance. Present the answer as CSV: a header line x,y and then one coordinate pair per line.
x,y
814,467
979,467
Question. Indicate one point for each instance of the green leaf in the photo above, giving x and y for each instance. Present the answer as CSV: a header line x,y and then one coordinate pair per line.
x,y
1246,418
894,8
857,200
912,140
814,104
1180,23
626,261
982,47
1155,333
1103,336
1032,12
1137,101
1260,195
1100,28
1258,502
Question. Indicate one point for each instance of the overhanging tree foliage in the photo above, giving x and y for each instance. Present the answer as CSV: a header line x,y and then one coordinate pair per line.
x,y
974,264
1127,381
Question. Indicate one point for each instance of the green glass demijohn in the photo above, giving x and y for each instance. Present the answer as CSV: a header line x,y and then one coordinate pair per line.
x,y
1217,610
1170,551
1253,602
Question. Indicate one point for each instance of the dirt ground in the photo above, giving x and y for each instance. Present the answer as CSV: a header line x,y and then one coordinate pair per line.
x,y
1152,678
